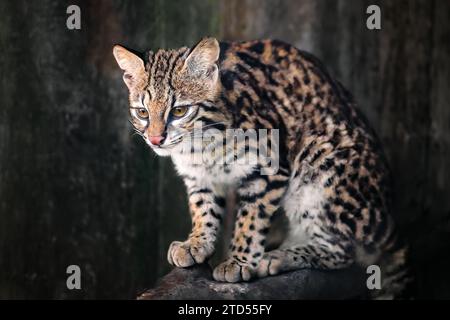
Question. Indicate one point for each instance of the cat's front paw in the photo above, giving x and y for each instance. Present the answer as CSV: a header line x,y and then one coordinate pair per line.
x,y
233,271
188,253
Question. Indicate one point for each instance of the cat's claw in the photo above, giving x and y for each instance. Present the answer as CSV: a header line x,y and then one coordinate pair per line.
x,y
186,254
233,271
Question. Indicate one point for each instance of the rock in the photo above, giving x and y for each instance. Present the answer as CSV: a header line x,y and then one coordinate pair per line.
x,y
197,283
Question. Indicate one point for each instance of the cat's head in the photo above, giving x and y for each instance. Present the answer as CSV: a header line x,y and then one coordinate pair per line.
x,y
171,91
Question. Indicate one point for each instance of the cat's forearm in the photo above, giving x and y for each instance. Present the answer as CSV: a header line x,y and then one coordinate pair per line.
x,y
259,199
207,210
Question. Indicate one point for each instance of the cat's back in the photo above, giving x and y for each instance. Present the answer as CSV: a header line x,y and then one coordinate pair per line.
x,y
272,63
264,83
258,54
272,84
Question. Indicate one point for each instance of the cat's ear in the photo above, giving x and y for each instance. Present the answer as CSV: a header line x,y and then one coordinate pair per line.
x,y
130,63
202,60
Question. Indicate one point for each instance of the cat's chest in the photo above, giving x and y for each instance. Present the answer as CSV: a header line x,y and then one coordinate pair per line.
x,y
209,173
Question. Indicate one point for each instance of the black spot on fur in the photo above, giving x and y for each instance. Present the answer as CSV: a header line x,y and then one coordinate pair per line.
x,y
329,182
220,201
227,79
306,80
340,169
257,48
199,203
348,206
348,221
327,164
331,215
308,99
262,214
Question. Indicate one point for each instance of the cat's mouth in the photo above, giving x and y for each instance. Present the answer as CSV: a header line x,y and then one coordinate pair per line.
x,y
168,145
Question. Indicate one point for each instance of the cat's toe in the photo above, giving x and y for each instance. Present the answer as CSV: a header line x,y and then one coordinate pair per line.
x,y
186,254
233,271
269,265
179,255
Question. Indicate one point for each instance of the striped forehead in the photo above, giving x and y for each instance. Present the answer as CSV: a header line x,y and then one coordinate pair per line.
x,y
161,68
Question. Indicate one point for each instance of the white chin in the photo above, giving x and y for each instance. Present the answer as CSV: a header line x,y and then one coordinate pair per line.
x,y
161,152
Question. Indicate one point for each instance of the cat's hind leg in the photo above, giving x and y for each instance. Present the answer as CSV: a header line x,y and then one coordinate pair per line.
x,y
311,255
313,240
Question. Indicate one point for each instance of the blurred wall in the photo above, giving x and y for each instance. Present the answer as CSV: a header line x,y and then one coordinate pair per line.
x,y
76,187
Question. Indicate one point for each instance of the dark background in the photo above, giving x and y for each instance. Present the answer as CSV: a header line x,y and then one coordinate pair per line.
x,y
76,187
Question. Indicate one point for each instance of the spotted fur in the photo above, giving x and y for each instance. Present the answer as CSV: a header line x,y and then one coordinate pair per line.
x,y
332,181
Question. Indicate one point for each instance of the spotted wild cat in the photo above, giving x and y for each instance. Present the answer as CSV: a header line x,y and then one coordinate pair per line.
x,y
332,179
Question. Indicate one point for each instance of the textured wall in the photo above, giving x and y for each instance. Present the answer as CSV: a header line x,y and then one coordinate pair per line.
x,y
77,188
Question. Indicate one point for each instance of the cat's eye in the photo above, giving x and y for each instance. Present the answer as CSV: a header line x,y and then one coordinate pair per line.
x,y
178,112
142,113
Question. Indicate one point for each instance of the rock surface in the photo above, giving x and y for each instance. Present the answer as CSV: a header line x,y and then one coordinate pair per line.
x,y
197,283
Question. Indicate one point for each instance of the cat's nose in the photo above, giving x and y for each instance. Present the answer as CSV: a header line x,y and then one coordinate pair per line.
x,y
156,140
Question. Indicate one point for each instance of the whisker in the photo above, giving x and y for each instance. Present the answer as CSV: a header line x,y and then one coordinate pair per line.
x,y
213,124
137,132
191,133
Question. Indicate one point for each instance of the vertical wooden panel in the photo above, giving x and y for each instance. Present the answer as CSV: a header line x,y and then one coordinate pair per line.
x,y
433,223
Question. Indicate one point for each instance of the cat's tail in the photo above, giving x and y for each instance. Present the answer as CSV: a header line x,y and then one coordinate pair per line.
x,y
397,280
